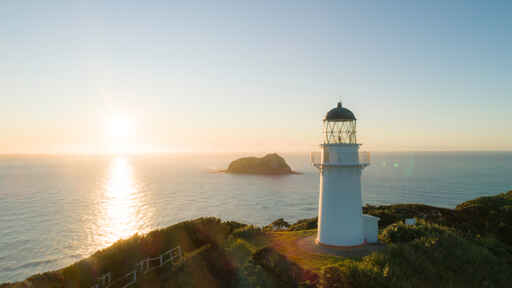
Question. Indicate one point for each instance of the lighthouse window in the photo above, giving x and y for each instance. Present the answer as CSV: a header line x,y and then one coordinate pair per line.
x,y
336,132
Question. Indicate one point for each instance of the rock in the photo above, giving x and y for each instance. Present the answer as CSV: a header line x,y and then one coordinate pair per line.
x,y
272,164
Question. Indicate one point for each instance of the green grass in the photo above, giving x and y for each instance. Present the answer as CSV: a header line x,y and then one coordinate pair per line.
x,y
433,260
121,257
286,244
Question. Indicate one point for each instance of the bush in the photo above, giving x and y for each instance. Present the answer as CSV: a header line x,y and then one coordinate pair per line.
x,y
233,225
247,232
497,248
304,224
446,260
208,268
121,257
239,251
401,233
253,275
490,216
351,274
288,272
279,224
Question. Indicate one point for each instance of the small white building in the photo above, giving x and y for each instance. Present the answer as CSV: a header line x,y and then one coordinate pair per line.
x,y
340,218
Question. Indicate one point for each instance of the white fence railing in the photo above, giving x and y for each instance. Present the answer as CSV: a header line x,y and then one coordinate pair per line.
x,y
340,158
148,264
174,256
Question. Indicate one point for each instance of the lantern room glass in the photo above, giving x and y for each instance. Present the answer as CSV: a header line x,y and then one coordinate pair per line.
x,y
339,132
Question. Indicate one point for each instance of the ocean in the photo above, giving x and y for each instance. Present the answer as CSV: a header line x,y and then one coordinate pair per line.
x,y
55,210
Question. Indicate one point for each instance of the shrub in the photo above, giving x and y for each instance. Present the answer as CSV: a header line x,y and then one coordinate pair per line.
x,y
496,247
239,251
400,232
491,215
446,260
208,268
233,225
247,232
122,256
278,224
253,275
304,224
351,274
288,272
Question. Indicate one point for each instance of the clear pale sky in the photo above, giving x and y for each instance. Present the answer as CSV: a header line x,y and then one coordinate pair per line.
x,y
253,76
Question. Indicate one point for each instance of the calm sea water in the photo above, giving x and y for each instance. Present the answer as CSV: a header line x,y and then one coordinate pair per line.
x,y
57,210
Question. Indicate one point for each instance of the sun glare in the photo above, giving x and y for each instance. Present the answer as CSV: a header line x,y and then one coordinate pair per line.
x,y
120,127
120,134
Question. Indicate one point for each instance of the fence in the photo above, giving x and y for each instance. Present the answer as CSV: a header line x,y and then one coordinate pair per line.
x,y
173,256
149,264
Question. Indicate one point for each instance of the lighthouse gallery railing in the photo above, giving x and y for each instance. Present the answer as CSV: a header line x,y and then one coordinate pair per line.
x,y
363,158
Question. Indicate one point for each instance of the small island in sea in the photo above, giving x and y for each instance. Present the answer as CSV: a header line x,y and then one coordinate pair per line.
x,y
270,164
469,246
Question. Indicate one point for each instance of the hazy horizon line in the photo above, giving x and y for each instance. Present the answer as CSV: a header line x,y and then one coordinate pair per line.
x,y
229,152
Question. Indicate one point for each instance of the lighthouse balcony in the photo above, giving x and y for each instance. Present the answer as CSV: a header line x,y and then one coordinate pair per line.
x,y
319,159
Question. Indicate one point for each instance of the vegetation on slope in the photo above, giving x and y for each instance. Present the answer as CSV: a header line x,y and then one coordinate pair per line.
x,y
121,257
426,255
464,247
489,216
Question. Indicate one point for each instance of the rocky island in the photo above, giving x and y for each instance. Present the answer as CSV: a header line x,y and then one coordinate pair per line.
x,y
468,246
270,164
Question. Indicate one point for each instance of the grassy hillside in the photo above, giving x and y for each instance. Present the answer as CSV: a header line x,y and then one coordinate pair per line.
x,y
485,216
469,246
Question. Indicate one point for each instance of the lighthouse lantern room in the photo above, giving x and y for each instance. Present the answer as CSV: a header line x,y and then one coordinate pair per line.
x,y
340,218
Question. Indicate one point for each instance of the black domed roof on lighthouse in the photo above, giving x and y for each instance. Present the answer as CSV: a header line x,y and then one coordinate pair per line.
x,y
339,114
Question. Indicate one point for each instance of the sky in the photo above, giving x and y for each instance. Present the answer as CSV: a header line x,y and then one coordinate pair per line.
x,y
253,76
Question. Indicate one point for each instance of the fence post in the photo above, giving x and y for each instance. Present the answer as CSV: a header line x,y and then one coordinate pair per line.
x,y
105,279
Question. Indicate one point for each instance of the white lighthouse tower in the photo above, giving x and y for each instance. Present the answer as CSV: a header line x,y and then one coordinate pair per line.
x,y
340,218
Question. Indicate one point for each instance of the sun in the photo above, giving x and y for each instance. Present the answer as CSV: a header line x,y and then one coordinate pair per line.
x,y
119,127
120,134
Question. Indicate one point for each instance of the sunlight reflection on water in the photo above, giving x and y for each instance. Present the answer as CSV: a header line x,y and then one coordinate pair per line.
x,y
118,218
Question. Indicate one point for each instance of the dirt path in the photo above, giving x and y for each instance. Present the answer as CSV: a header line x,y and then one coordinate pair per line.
x,y
299,247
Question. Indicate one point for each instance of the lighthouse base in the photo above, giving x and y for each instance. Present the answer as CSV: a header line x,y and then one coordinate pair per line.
x,y
355,236
309,245
317,242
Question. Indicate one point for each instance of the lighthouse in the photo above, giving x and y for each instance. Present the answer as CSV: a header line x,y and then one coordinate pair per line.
x,y
341,222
